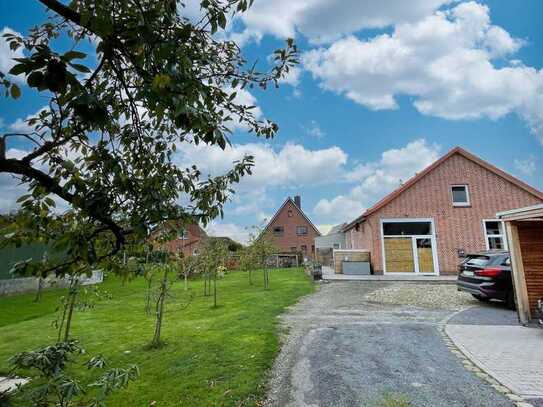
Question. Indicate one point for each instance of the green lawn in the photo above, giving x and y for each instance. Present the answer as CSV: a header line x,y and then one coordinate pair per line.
x,y
212,356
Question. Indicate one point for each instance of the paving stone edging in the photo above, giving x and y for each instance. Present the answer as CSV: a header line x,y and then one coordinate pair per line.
x,y
476,370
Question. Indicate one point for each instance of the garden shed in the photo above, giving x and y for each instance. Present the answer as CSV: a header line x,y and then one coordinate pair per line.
x,y
524,228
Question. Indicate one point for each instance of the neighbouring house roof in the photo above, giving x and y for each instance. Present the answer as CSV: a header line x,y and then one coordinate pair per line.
x,y
336,229
413,180
289,199
193,228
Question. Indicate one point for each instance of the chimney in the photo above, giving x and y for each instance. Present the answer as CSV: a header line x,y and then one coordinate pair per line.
x,y
298,201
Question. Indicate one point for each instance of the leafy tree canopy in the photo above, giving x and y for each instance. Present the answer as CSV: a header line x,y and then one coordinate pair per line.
x,y
104,143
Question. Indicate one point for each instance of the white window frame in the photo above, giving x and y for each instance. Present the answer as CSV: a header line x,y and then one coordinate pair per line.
x,y
503,235
302,234
461,204
184,234
432,237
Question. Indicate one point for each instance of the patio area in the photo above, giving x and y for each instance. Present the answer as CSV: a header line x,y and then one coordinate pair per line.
x,y
328,274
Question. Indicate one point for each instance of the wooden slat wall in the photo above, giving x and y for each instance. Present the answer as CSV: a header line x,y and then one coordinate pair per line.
x,y
531,246
339,257
399,255
426,260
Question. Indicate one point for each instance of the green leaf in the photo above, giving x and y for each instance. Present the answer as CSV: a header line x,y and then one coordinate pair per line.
x,y
68,56
23,198
15,91
19,69
80,68
222,20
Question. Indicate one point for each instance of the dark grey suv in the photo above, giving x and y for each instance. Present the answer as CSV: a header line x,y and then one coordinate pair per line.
x,y
487,275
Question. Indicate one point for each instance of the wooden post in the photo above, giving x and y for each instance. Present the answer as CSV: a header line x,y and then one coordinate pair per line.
x,y
517,266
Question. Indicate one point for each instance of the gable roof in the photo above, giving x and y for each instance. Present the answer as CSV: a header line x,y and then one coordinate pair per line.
x,y
413,180
336,229
289,199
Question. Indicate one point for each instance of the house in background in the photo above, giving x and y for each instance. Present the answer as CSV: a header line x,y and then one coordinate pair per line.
x,y
291,231
188,240
325,245
445,211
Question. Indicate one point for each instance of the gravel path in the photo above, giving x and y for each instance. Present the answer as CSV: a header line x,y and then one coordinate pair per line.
x,y
444,296
343,349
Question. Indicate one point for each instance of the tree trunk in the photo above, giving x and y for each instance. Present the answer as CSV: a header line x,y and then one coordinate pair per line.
x,y
71,304
215,290
160,308
40,288
186,281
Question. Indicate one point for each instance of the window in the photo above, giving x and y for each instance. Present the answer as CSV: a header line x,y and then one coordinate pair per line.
x,y
278,230
407,228
301,230
183,234
312,248
494,235
460,195
304,248
289,213
336,245
293,249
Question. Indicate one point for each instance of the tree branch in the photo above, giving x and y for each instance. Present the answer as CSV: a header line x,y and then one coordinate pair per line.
x,y
21,167
62,10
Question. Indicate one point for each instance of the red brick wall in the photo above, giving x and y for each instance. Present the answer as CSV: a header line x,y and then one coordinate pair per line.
x,y
456,227
290,238
195,234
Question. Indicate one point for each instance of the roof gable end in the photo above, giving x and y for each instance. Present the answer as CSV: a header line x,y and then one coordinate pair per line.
x,y
300,211
413,180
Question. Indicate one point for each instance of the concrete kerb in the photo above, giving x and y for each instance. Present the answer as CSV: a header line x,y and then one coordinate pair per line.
x,y
474,368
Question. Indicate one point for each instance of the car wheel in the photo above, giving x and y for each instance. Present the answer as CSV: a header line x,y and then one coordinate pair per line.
x,y
481,298
510,300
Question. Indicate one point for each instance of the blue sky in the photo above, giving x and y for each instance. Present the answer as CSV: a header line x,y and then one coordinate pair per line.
x,y
384,88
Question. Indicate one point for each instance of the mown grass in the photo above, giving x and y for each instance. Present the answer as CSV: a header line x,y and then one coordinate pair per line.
x,y
213,356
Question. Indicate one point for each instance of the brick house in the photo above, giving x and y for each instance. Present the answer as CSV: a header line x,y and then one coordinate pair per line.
x,y
290,229
188,240
446,210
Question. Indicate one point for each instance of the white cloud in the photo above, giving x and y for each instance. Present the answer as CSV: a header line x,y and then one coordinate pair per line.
x,y
291,166
314,130
238,233
292,77
7,55
376,179
339,209
325,20
526,166
22,126
445,61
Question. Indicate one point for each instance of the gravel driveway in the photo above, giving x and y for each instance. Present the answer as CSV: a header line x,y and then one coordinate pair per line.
x,y
344,348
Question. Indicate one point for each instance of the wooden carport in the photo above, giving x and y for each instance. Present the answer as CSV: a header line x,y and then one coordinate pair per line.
x,y
524,228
